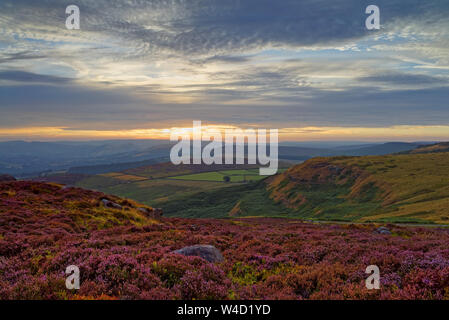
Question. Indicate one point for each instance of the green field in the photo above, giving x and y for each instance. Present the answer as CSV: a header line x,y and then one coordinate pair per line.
x,y
250,199
410,188
218,176
154,188
405,188
156,192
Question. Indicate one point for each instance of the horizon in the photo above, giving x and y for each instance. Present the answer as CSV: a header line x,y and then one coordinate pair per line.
x,y
281,142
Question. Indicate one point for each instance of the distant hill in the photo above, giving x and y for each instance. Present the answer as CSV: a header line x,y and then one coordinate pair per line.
x,y
389,188
304,153
112,167
432,148
167,169
69,179
381,149
29,159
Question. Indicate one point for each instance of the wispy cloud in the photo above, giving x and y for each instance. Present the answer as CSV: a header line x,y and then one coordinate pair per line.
x,y
286,63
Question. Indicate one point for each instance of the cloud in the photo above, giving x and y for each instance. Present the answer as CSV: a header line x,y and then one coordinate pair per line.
x,y
18,56
216,26
23,76
105,108
283,63
227,59
410,80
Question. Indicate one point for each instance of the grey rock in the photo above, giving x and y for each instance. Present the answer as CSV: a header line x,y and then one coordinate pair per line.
x,y
207,252
144,211
383,230
110,204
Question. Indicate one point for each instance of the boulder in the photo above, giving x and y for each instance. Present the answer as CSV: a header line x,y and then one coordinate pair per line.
x,y
6,178
145,211
109,204
383,230
207,252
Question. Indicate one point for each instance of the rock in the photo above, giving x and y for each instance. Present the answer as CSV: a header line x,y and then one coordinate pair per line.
x,y
383,230
110,204
145,211
6,178
207,252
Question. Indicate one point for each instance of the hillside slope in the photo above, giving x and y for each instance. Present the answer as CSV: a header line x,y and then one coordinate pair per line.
x,y
391,188
403,188
33,206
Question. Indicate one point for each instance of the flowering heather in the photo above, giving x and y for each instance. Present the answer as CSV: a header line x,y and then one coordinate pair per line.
x,y
122,254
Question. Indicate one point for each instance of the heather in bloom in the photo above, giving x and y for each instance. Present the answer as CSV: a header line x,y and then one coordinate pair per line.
x,y
122,254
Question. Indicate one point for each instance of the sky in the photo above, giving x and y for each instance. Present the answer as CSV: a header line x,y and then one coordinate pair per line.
x,y
310,68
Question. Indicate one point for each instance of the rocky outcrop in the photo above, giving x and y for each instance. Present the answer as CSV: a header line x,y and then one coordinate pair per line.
x,y
383,230
109,204
207,252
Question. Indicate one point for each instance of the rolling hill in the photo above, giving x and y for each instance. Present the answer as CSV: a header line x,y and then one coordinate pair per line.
x,y
29,159
158,183
432,148
402,188
408,188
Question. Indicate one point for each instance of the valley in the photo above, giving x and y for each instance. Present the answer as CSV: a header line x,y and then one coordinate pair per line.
x,y
407,187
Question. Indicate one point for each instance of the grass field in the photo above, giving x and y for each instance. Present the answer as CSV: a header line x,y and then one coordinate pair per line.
x,y
401,188
167,169
409,188
218,176
124,177
168,187
156,192
250,199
